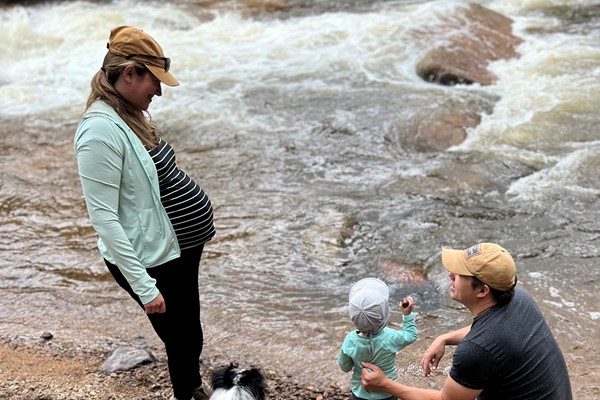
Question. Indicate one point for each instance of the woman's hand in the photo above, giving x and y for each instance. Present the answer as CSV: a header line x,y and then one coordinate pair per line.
x,y
372,377
156,306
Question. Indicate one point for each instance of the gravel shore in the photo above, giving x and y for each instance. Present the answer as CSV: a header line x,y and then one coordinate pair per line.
x,y
44,370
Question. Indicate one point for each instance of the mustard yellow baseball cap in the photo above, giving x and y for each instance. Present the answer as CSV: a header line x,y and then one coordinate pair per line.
x,y
488,262
134,44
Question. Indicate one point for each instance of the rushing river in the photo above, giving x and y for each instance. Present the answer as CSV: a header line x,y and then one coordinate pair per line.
x,y
299,124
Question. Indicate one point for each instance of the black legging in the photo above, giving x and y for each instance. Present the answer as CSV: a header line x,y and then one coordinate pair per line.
x,y
179,327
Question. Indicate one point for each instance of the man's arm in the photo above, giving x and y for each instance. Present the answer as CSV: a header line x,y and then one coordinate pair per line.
x,y
373,378
436,350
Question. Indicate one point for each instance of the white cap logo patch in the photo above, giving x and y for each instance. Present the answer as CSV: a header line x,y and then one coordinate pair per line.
x,y
473,251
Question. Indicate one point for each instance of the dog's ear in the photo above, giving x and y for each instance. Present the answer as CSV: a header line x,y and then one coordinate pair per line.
x,y
222,378
256,383
254,375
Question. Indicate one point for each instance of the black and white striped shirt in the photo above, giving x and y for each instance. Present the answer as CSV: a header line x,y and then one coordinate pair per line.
x,y
187,206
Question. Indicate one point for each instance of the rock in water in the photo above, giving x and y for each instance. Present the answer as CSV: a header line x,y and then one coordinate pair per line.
x,y
486,36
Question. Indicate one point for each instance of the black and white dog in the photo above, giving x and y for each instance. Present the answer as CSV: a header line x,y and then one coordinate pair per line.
x,y
231,383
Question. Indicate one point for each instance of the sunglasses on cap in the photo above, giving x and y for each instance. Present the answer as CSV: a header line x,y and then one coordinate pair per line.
x,y
166,60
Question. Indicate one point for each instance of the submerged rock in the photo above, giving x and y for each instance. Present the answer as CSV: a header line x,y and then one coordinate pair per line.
x,y
256,5
445,128
402,274
327,241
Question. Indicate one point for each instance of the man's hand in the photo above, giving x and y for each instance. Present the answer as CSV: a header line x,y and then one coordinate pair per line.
x,y
436,351
156,306
432,356
372,377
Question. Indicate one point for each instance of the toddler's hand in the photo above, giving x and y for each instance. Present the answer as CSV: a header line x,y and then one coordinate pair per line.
x,y
406,305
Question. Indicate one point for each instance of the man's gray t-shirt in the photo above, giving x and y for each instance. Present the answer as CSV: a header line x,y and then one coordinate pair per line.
x,y
511,354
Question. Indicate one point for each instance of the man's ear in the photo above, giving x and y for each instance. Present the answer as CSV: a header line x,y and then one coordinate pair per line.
x,y
484,290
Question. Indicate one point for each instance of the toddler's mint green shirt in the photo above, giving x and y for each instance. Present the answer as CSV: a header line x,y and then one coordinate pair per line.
x,y
386,343
120,186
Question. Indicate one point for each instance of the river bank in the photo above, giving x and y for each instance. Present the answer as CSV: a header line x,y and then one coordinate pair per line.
x,y
37,369
55,372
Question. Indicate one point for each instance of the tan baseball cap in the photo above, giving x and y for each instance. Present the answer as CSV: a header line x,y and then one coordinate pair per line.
x,y
135,44
488,262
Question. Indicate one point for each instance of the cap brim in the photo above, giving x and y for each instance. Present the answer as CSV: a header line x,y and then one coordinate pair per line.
x,y
454,261
370,283
164,77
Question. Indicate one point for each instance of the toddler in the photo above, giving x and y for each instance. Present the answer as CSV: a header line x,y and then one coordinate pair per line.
x,y
373,341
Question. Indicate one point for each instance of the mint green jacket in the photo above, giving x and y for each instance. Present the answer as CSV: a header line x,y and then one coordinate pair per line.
x,y
379,349
120,186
